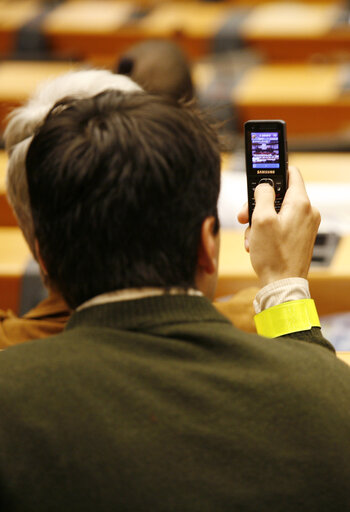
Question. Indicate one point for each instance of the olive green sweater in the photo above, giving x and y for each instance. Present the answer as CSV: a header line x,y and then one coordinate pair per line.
x,y
159,405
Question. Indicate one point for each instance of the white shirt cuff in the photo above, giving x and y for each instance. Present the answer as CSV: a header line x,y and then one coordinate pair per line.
x,y
284,290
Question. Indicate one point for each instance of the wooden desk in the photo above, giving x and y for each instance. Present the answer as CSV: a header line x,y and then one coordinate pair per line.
x,y
322,167
193,25
14,257
309,97
19,80
295,31
344,356
101,31
7,217
91,30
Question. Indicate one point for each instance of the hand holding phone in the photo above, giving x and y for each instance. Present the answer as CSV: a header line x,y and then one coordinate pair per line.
x,y
266,158
281,246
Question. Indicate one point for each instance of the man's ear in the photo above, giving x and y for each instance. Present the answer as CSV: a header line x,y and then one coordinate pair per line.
x,y
208,247
39,258
208,258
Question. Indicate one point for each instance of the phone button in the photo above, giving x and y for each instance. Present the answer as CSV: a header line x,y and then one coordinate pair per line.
x,y
269,181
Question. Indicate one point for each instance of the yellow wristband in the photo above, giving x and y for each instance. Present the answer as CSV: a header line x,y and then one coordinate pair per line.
x,y
286,318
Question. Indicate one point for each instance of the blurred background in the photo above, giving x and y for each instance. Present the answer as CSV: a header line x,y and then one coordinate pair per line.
x,y
246,59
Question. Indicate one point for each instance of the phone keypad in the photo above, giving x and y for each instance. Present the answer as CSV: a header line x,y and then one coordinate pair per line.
x,y
279,196
276,182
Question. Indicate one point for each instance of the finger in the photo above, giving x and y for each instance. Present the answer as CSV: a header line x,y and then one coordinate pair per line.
x,y
295,181
246,238
264,201
296,190
243,215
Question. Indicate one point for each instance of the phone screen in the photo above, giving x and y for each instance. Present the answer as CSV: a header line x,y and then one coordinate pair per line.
x,y
265,151
266,158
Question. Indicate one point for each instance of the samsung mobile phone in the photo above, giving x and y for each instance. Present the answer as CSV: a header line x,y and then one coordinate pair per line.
x,y
266,158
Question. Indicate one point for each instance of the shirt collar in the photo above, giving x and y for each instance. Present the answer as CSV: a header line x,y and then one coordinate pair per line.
x,y
136,293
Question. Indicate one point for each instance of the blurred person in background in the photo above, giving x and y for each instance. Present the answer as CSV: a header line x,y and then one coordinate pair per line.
x,y
50,315
159,67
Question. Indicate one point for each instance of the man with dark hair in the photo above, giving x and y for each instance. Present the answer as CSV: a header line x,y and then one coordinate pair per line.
x,y
161,203
150,399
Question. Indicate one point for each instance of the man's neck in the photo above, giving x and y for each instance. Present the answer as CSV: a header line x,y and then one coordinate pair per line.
x,y
134,294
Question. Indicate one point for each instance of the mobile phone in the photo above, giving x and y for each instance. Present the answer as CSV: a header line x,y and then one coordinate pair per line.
x,y
266,158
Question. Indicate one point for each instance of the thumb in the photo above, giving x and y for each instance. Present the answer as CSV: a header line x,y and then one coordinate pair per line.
x,y
264,201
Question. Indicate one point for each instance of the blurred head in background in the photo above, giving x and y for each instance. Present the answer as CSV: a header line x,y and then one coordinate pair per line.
x,y
159,67
26,120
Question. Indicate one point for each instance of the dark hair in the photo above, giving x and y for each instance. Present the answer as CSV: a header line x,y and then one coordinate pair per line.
x,y
159,67
119,187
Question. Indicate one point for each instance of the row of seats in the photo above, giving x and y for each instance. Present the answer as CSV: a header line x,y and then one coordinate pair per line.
x,y
304,95
98,30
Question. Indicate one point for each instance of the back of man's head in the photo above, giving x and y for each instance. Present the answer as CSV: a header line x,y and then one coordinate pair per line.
x,y
160,67
120,185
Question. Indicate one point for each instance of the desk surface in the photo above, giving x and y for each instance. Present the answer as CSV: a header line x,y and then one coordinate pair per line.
x,y
344,356
315,167
14,14
290,84
311,98
262,92
94,17
294,31
283,19
323,167
98,30
14,257
7,217
100,35
314,99
19,79
14,252
300,27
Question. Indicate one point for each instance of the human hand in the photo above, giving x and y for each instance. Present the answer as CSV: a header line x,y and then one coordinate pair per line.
x,y
281,244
